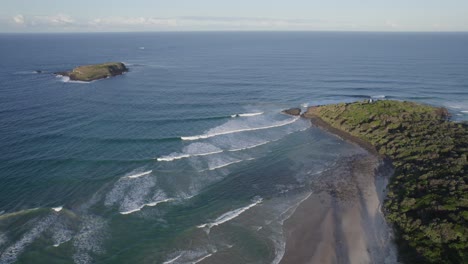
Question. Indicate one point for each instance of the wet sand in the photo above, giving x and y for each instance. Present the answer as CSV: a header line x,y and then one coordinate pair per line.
x,y
342,221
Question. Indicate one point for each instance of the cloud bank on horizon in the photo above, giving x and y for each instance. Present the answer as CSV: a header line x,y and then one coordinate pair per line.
x,y
185,15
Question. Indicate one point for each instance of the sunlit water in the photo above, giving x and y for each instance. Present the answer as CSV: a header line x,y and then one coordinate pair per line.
x,y
187,158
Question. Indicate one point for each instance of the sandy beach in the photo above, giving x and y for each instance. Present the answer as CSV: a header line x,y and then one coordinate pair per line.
x,y
342,221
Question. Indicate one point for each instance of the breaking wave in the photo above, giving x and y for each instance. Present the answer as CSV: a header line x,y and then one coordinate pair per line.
x,y
173,259
147,204
11,253
247,114
230,215
202,258
138,175
209,135
57,209
133,192
183,156
66,79
250,147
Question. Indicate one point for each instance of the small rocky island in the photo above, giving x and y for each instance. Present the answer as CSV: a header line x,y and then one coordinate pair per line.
x,y
427,199
94,72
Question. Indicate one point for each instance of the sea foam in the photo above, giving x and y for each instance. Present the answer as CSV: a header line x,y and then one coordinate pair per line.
x,y
229,215
11,253
138,175
147,204
173,259
247,114
183,156
57,209
214,134
203,258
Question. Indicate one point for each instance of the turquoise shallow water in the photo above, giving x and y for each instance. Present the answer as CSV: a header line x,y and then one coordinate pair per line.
x,y
187,157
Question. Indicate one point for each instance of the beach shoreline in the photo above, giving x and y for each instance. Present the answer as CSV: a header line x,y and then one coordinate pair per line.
x,y
342,221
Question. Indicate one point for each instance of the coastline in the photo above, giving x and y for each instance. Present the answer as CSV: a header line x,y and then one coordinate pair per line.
x,y
426,198
342,221
320,123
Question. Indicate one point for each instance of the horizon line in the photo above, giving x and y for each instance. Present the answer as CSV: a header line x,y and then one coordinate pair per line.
x,y
231,31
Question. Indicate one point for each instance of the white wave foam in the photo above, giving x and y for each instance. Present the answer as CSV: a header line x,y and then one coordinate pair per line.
x,y
60,233
304,105
11,253
247,114
378,96
66,79
138,175
209,135
172,260
464,111
183,156
222,165
57,209
202,258
147,204
193,150
89,239
3,239
229,215
131,194
249,147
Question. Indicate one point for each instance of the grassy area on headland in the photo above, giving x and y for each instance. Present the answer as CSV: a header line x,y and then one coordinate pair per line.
x,y
88,73
427,200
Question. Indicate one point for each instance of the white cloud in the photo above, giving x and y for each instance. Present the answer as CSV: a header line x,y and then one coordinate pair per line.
x,y
132,21
63,22
18,19
55,20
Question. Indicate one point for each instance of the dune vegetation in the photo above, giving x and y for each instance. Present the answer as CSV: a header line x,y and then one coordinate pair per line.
x,y
427,199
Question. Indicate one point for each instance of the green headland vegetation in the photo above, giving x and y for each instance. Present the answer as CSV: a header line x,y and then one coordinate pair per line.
x,y
427,199
89,73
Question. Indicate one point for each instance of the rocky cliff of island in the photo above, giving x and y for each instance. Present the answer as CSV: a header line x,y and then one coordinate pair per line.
x,y
94,72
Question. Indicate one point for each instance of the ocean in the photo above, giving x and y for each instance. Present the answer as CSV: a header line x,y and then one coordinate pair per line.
x,y
187,158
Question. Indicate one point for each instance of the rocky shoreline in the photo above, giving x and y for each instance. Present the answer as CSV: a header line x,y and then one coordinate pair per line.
x,y
427,196
88,73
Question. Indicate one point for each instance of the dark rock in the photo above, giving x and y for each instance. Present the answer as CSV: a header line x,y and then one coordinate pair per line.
x,y
292,111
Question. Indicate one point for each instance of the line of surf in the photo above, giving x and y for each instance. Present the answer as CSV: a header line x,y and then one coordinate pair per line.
x,y
138,175
152,204
183,156
203,258
249,147
247,114
204,136
230,215
172,260
222,165
66,79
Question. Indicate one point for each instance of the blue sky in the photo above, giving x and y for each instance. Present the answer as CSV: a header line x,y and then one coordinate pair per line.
x,y
184,15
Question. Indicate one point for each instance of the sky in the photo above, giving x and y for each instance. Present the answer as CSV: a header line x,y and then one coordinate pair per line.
x,y
237,15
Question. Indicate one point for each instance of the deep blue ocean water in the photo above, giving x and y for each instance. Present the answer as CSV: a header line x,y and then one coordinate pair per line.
x,y
187,156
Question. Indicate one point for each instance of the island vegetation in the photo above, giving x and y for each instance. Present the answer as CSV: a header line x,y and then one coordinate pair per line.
x,y
427,199
93,72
